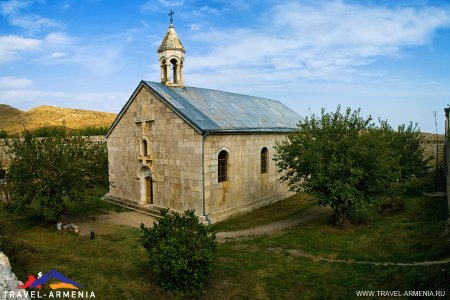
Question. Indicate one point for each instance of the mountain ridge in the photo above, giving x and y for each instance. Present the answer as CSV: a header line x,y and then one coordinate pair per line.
x,y
14,120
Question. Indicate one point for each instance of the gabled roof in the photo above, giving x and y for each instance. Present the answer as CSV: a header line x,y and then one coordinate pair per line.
x,y
171,41
221,112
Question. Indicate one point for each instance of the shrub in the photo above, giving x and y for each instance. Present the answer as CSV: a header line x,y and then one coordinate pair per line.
x,y
3,134
181,251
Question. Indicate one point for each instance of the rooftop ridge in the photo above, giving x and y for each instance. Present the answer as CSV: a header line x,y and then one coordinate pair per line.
x,y
209,89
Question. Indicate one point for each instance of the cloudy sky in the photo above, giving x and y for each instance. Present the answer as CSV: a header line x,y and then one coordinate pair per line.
x,y
391,58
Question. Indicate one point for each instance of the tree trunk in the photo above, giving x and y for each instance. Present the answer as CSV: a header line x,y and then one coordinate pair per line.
x,y
341,217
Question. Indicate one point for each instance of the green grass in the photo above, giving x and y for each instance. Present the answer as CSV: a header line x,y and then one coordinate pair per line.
x,y
115,265
266,214
94,205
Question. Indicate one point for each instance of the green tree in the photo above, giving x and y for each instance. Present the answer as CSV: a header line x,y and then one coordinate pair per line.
x,y
346,162
181,251
50,175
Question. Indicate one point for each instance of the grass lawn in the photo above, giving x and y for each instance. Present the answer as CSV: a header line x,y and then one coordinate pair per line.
x,y
267,214
115,265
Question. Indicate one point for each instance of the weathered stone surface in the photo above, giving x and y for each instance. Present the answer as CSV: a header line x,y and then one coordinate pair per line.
x,y
8,281
173,161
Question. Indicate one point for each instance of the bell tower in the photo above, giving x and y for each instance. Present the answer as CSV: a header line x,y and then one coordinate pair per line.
x,y
171,57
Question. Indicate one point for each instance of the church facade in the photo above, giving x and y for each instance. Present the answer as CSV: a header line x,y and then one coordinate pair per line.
x,y
180,147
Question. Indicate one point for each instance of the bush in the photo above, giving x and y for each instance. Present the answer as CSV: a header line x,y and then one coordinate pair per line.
x,y
3,134
49,131
181,251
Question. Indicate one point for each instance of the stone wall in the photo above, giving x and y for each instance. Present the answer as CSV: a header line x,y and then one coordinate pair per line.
x,y
431,142
8,280
173,161
246,187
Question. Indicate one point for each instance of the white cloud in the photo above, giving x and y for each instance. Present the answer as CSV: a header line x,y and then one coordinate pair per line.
x,y
195,26
17,13
153,5
57,54
11,46
171,3
59,39
13,6
21,98
10,82
325,40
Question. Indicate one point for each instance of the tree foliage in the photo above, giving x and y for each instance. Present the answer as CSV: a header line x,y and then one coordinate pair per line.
x,y
181,251
49,131
50,175
343,160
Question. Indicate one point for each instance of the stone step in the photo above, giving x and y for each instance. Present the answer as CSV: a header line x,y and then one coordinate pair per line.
x,y
151,211
146,209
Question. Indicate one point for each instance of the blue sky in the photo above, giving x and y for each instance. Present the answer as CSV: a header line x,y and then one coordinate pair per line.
x,y
391,58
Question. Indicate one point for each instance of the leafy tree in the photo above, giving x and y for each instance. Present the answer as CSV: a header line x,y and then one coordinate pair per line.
x,y
181,251
343,160
50,175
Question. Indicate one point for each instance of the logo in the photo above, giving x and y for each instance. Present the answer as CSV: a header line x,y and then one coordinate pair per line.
x,y
61,287
63,283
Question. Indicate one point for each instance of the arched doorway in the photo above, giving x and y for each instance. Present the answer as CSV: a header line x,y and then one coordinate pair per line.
x,y
148,190
146,180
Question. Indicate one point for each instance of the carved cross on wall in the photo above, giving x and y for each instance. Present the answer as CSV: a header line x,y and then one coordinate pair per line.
x,y
171,13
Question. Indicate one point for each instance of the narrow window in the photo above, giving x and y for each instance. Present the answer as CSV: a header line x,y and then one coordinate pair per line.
x,y
223,166
174,63
144,148
264,159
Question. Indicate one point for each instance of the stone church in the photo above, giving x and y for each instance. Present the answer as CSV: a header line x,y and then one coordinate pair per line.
x,y
180,147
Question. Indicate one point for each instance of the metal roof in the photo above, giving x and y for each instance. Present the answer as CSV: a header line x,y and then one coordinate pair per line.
x,y
222,112
213,110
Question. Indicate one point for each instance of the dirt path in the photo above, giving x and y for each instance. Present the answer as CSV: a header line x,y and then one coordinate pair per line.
x,y
311,215
301,253
100,223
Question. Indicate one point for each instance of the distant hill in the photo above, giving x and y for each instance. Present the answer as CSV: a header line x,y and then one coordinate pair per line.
x,y
14,120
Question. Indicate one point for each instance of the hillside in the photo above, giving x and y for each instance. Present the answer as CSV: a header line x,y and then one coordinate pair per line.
x,y
14,120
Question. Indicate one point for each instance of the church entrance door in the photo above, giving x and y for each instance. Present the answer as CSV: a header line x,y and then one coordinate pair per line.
x,y
148,190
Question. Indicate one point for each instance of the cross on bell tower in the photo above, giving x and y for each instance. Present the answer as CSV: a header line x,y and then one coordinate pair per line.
x,y
171,57
171,13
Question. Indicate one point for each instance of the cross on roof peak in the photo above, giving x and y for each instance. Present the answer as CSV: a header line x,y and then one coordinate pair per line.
x,y
171,13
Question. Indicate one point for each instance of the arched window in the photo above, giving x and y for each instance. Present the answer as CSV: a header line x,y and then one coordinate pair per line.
x,y
144,148
222,174
174,63
264,160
